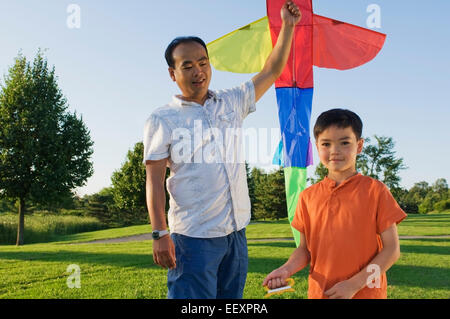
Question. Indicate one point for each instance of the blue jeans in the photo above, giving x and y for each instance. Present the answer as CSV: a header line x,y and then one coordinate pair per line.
x,y
209,267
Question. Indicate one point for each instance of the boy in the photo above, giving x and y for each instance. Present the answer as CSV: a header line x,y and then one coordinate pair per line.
x,y
347,222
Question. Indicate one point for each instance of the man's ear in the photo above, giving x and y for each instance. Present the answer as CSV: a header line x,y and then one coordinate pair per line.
x,y
172,73
360,145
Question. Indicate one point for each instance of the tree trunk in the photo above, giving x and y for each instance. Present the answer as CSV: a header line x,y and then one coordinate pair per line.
x,y
21,226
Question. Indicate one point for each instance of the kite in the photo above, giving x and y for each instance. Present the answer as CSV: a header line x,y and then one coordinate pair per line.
x,y
318,41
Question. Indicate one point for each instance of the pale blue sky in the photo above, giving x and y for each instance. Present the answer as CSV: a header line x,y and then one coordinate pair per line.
x,y
113,72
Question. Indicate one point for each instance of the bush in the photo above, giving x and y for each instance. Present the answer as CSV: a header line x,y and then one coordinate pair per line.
x,y
442,205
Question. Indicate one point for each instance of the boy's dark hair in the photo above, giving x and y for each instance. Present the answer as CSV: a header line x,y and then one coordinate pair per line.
x,y
340,118
175,42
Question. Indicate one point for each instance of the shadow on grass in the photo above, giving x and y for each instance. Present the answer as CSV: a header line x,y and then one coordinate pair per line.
x,y
279,244
426,249
419,276
71,257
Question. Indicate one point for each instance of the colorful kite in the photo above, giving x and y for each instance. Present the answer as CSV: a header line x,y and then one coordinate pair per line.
x,y
317,41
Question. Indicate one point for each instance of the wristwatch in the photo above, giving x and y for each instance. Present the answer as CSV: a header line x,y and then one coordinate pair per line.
x,y
157,234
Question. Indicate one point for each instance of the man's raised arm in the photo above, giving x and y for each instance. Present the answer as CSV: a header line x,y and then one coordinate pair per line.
x,y
291,15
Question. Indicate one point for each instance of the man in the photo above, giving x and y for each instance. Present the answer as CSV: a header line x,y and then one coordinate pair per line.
x,y
206,252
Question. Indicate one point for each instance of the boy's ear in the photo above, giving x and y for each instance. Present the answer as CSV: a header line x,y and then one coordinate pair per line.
x,y
360,145
172,73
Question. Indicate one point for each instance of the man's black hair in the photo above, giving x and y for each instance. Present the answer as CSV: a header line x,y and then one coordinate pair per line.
x,y
175,42
341,118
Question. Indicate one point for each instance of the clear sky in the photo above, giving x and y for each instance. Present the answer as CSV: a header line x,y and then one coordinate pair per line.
x,y
113,72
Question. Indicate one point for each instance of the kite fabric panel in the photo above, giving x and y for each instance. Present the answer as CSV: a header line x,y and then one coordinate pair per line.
x,y
336,45
294,113
244,50
295,183
298,71
343,46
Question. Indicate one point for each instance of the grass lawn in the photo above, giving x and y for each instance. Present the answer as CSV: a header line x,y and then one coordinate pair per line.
x,y
126,270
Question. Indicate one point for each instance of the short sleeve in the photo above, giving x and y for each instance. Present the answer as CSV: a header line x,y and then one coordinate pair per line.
x,y
157,137
388,210
300,215
245,102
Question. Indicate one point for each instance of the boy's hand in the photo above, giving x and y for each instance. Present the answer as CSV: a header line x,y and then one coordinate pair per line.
x,y
342,290
290,13
276,279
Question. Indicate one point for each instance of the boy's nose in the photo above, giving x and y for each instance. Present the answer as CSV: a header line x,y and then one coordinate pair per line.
x,y
334,150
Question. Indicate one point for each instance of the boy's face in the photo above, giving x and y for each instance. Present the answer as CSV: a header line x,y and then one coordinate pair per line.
x,y
338,148
192,70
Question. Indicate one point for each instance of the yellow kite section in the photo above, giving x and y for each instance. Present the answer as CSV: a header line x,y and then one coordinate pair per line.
x,y
244,50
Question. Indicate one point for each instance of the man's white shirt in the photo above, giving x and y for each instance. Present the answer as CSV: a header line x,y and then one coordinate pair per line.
x,y
208,182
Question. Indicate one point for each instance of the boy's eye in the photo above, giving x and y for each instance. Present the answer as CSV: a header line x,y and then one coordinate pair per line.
x,y
345,143
326,144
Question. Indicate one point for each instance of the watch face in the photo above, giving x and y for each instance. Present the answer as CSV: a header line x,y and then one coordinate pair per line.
x,y
155,235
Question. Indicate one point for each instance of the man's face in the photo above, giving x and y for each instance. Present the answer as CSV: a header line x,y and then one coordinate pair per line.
x,y
192,71
338,148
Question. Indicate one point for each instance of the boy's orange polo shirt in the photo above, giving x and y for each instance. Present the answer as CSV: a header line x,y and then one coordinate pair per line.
x,y
342,226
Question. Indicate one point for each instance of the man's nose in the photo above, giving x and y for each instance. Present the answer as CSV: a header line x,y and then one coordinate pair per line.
x,y
197,70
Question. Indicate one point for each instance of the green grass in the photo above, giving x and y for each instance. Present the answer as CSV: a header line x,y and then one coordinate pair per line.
x,y
414,225
126,270
425,225
45,227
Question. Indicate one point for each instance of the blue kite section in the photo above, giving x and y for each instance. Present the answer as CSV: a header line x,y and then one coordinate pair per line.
x,y
294,113
278,156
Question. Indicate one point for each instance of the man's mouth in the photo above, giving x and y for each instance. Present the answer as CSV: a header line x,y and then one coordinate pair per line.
x,y
200,82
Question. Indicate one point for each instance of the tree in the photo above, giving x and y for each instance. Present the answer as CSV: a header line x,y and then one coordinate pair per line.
x,y
129,187
378,161
258,179
275,199
270,194
101,205
438,193
319,174
44,149
251,187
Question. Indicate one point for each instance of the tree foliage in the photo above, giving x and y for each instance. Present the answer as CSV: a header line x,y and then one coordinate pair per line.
x,y
269,194
380,162
129,187
44,149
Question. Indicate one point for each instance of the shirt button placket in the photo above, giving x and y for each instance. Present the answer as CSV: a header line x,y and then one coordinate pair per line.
x,y
217,149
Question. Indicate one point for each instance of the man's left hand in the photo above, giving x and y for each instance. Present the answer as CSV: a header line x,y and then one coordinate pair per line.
x,y
290,13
